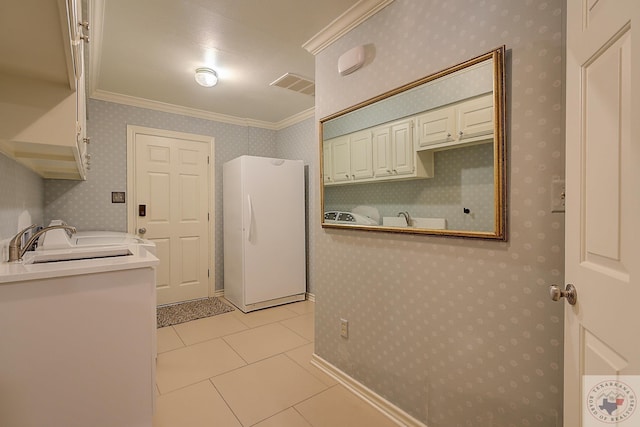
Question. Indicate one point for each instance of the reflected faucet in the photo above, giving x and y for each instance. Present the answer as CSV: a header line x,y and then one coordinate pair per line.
x,y
406,216
16,251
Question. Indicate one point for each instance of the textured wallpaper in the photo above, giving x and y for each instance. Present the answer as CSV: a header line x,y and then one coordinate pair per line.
x,y
456,332
87,205
21,199
299,142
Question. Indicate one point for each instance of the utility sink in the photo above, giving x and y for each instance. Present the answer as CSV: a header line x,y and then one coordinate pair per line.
x,y
394,221
87,252
428,223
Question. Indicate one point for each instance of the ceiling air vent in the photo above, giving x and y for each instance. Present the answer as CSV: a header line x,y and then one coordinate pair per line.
x,y
296,83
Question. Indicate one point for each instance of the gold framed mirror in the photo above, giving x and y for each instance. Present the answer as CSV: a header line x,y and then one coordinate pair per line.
x,y
425,158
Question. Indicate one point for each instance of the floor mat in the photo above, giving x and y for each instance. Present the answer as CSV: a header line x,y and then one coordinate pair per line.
x,y
191,310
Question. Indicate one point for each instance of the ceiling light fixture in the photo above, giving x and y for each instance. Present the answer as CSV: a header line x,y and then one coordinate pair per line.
x,y
206,77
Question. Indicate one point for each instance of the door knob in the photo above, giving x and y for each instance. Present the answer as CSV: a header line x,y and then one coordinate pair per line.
x,y
142,230
569,293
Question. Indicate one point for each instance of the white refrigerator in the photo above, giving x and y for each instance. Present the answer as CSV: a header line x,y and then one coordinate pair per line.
x,y
264,232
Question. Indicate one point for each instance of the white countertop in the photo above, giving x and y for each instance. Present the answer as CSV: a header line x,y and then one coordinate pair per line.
x,y
20,272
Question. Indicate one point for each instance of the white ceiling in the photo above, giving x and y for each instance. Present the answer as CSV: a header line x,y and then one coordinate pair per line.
x,y
145,52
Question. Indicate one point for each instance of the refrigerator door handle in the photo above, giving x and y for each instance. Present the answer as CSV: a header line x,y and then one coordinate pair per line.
x,y
250,218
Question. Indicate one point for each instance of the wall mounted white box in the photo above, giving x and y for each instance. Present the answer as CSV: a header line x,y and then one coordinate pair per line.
x,y
351,60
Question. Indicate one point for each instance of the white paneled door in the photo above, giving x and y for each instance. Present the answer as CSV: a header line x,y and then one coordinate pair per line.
x,y
169,204
603,213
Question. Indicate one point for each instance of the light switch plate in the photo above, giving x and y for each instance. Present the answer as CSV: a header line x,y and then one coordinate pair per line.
x,y
344,328
117,197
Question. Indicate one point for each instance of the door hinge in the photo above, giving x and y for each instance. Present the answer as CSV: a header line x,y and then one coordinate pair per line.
x,y
208,273
207,159
208,216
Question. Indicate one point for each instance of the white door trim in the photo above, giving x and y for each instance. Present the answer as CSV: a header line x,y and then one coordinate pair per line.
x,y
132,132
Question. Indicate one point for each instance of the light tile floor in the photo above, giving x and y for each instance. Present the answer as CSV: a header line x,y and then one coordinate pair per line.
x,y
241,370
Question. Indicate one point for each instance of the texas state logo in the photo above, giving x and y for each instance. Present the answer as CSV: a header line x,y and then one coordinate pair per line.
x,y
611,402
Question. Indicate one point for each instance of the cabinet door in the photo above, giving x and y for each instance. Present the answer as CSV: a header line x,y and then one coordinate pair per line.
x,y
341,155
436,127
361,155
382,157
402,148
327,162
475,117
83,160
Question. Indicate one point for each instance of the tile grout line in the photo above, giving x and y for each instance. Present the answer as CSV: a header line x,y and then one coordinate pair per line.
x,y
225,400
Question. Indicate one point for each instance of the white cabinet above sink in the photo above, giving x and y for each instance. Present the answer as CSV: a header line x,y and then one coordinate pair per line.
x,y
42,97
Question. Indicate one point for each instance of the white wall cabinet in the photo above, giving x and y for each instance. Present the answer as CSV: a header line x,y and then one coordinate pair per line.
x,y
348,158
466,122
340,160
402,150
399,150
327,164
361,155
42,113
394,154
475,118
381,153
382,156
436,127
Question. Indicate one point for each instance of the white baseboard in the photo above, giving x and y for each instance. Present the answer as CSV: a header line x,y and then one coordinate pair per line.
x,y
387,408
311,297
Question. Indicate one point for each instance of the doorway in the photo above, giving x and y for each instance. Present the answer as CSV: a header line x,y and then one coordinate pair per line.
x,y
170,202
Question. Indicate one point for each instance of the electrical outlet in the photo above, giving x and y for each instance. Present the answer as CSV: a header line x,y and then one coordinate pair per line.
x,y
344,328
558,195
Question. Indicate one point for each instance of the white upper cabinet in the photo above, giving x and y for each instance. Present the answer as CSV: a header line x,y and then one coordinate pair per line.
x,y
475,118
348,158
42,99
361,155
340,160
327,164
466,122
402,148
394,153
436,126
382,153
382,157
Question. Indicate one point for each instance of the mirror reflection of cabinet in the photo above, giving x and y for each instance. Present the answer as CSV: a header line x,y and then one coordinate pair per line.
x,y
382,153
434,148
394,149
467,121
348,158
361,155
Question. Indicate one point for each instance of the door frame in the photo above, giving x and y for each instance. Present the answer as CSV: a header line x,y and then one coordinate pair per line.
x,y
132,132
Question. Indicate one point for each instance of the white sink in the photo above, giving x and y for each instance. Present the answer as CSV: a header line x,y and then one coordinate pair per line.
x,y
87,252
394,221
428,223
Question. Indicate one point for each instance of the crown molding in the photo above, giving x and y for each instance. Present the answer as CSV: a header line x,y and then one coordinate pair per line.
x,y
354,16
296,118
200,114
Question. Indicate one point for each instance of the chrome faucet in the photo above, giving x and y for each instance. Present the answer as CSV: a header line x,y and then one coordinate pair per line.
x,y
16,251
406,216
